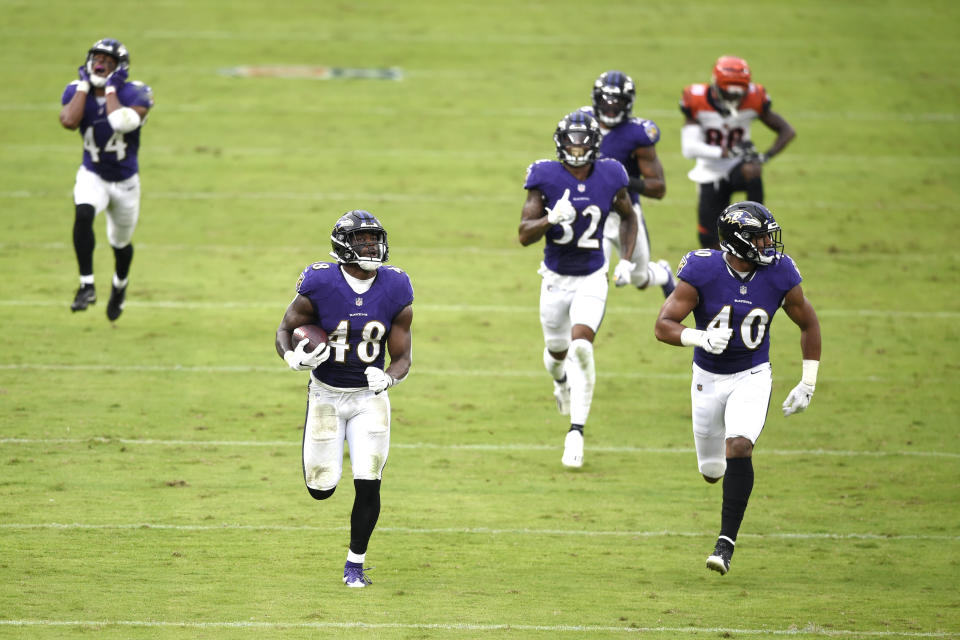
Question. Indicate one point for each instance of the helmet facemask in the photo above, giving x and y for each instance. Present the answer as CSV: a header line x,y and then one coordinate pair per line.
x,y
577,138
112,48
358,238
741,227
611,108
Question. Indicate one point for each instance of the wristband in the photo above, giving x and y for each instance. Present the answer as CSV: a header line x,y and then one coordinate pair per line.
x,y
637,184
110,89
691,337
84,86
810,368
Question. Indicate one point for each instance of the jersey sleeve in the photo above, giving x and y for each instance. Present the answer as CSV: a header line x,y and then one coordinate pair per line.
x,y
534,175
136,94
757,99
312,280
69,91
401,287
691,269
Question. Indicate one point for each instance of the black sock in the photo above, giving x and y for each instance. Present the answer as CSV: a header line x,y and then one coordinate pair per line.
x,y
577,427
83,238
122,258
737,485
366,511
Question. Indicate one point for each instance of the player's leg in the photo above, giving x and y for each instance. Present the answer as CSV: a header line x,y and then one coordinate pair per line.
x,y
710,203
89,197
323,437
555,323
748,177
368,435
586,314
744,415
646,272
122,216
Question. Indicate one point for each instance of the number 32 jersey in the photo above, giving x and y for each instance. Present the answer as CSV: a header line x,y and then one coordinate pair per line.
x,y
576,249
746,305
357,324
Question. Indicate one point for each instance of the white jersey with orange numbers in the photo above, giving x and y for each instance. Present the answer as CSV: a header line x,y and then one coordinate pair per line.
x,y
718,129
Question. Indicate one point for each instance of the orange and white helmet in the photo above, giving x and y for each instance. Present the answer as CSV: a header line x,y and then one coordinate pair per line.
x,y
731,80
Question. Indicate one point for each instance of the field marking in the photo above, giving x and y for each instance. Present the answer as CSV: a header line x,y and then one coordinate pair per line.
x,y
522,112
517,531
480,308
465,447
810,630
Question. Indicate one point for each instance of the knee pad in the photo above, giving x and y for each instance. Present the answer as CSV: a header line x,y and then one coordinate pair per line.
x,y
320,494
713,468
556,345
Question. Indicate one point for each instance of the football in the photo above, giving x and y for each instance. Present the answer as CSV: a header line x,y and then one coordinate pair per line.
x,y
314,333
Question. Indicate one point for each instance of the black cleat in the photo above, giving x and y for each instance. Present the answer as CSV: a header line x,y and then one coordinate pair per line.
x,y
86,295
719,560
115,306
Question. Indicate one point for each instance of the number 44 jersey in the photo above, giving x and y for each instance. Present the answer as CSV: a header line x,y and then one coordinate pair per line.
x,y
108,153
745,304
357,324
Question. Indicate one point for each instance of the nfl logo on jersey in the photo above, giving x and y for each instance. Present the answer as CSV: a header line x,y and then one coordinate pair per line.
x,y
359,302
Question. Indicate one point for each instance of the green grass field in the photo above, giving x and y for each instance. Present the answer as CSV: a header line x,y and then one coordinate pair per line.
x,y
150,479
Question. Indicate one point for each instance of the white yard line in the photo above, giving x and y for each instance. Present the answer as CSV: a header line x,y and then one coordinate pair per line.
x,y
455,627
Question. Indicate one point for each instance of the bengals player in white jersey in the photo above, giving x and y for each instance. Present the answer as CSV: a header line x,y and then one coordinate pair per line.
x,y
717,134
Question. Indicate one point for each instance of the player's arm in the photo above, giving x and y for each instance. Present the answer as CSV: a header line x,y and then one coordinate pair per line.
x,y
400,344
298,313
669,327
72,113
533,219
785,133
676,307
628,221
693,144
799,309
651,182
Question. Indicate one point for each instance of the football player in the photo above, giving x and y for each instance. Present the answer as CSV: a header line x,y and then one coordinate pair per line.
x,y
568,202
716,132
632,141
733,295
109,111
366,309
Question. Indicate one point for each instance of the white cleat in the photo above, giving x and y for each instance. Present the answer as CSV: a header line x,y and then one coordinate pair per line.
x,y
573,449
561,391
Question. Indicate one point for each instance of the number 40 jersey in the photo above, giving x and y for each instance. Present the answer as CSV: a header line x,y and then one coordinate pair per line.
x,y
746,305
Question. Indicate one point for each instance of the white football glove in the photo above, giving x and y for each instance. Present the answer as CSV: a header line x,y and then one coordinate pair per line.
x,y
301,360
378,380
798,399
712,340
622,272
563,212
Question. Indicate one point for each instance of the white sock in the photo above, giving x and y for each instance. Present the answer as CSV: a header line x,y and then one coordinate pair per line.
x,y
85,280
357,558
554,366
582,377
118,283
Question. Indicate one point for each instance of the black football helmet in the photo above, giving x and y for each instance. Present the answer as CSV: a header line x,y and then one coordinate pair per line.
x,y
741,223
114,49
613,95
348,247
577,138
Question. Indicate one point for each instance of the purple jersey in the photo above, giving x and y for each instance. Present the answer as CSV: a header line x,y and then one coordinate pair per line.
x,y
746,305
357,324
110,155
621,141
576,249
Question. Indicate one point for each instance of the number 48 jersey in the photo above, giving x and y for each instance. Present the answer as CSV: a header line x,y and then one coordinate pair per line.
x,y
746,305
357,324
